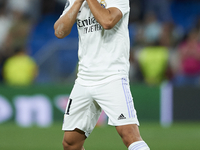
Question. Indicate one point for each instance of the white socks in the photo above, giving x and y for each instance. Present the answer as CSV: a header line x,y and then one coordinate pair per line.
x,y
139,145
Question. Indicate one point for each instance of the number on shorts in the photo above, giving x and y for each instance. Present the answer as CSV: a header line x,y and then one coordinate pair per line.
x,y
68,108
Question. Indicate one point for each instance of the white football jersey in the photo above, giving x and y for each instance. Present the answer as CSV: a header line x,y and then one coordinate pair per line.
x,y
103,54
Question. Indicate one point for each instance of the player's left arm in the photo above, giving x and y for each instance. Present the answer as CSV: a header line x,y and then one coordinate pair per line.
x,y
107,18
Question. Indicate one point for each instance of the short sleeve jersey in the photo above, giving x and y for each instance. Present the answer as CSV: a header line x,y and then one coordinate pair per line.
x,y
103,54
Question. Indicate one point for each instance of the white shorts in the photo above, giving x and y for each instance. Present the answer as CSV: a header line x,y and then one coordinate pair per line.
x,y
86,103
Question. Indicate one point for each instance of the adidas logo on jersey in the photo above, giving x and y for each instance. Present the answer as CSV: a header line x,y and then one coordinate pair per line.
x,y
121,117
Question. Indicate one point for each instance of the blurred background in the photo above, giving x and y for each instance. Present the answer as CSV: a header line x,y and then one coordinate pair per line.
x,y
37,72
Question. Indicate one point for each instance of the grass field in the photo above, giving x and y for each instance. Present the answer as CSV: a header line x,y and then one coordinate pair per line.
x,y
180,136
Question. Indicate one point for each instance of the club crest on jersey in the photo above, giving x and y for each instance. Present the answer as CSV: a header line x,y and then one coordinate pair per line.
x,y
103,3
67,4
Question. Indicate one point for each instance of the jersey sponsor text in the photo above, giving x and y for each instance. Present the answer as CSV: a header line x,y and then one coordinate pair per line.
x,y
89,25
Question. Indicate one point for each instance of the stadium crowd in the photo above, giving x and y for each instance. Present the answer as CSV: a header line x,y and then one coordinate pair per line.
x,y
164,37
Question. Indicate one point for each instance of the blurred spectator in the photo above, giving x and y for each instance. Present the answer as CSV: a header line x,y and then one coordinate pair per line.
x,y
148,31
30,8
153,61
152,28
18,66
5,24
188,72
20,69
18,32
166,36
170,35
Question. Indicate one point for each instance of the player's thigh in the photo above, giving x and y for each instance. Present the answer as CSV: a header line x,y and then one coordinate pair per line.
x,y
116,100
78,101
82,111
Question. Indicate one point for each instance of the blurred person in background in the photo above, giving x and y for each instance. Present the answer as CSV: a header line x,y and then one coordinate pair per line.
x,y
153,59
152,28
188,71
18,32
150,33
29,8
147,30
19,29
5,24
19,69
168,37
153,62
150,56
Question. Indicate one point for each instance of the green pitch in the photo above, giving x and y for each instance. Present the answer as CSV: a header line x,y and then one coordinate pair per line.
x,y
180,136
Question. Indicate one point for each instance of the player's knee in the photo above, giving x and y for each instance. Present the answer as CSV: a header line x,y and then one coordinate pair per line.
x,y
71,145
67,145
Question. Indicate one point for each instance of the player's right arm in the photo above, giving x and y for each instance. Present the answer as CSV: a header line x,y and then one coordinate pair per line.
x,y
64,24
